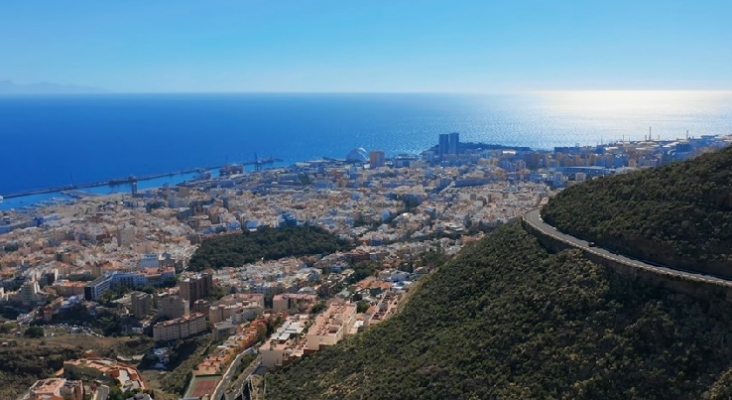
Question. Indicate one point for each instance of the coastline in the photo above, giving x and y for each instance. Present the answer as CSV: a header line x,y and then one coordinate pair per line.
x,y
28,200
110,183
54,195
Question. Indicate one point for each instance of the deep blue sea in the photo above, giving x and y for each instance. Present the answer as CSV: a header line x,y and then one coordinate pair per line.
x,y
58,140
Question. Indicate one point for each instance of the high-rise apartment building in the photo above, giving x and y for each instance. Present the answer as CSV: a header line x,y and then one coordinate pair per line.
x,y
141,304
453,142
171,306
196,287
449,144
444,146
377,159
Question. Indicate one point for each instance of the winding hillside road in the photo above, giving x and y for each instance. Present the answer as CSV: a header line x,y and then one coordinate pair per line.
x,y
533,218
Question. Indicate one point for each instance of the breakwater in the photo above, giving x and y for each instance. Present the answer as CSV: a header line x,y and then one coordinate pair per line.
x,y
257,163
111,182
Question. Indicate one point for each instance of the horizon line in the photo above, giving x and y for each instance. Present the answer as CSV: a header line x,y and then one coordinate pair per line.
x,y
275,92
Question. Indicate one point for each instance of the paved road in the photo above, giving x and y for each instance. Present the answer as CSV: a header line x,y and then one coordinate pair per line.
x,y
533,218
226,379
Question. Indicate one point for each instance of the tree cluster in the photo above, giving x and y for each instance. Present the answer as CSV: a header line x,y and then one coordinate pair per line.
x,y
22,366
34,332
107,322
185,355
266,243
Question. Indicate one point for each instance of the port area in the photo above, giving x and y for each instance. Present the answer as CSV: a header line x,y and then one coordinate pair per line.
x,y
112,182
223,170
26,200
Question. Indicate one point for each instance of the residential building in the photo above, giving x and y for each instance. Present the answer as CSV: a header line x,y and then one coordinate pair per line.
x,y
391,275
29,293
286,344
223,330
196,287
172,306
202,306
149,261
95,288
56,388
453,143
331,326
66,288
237,313
128,279
180,328
444,145
293,302
141,304
377,159
108,370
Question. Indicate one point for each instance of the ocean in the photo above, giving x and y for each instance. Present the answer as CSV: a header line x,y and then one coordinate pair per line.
x,y
49,141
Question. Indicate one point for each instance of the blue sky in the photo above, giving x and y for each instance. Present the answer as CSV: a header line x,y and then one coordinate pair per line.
x,y
367,46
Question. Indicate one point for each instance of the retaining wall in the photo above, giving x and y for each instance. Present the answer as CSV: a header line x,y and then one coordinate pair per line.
x,y
697,289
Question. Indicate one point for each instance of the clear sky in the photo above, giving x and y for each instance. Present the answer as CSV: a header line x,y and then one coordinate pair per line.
x,y
367,46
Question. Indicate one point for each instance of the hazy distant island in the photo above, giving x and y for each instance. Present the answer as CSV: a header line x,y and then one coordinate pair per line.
x,y
8,87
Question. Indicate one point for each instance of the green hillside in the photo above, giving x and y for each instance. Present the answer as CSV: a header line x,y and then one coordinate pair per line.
x,y
21,367
679,215
508,320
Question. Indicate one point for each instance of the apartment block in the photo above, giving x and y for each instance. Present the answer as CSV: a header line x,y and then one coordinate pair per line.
x,y
172,306
286,344
141,303
195,287
331,326
107,370
56,388
179,328
293,302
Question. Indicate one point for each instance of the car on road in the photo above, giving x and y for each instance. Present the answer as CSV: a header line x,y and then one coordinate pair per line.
x,y
591,244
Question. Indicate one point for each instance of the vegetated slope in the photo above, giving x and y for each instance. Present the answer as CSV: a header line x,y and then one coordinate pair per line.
x,y
24,360
269,243
507,320
21,367
679,214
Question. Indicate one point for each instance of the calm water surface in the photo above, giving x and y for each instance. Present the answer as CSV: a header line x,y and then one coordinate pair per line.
x,y
58,140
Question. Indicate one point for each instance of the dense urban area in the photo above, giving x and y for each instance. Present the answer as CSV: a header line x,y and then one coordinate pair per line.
x,y
197,290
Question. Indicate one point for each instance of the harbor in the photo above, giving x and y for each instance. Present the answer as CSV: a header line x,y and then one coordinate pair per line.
x,y
112,182
131,184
